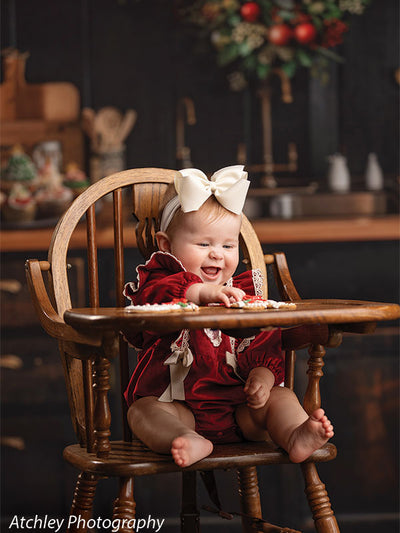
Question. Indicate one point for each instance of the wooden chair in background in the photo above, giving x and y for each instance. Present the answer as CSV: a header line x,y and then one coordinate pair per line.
x,y
87,359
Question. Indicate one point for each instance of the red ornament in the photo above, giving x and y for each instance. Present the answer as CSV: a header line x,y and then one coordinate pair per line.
x,y
250,11
305,33
280,34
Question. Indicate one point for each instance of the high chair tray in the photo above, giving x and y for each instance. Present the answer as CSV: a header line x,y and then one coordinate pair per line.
x,y
306,312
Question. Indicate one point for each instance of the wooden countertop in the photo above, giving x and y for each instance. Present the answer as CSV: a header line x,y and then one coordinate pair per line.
x,y
329,229
269,231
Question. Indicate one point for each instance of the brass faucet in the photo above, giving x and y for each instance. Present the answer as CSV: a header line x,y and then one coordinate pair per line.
x,y
184,107
269,166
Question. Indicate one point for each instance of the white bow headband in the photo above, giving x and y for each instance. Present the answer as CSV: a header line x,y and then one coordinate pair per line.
x,y
229,185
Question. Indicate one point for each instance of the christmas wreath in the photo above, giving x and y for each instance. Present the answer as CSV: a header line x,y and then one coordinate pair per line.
x,y
252,37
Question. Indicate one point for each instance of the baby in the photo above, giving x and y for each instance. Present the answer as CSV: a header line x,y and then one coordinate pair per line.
x,y
193,389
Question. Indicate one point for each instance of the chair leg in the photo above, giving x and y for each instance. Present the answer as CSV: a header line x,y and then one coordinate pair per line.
x,y
190,517
249,496
82,503
124,505
318,500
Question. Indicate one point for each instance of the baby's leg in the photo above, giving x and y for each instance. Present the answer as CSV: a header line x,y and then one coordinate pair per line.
x,y
287,423
168,427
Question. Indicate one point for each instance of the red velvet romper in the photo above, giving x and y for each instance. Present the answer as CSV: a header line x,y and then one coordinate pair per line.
x,y
204,368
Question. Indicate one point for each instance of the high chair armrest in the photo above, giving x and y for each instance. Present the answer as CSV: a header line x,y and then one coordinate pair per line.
x,y
286,287
50,320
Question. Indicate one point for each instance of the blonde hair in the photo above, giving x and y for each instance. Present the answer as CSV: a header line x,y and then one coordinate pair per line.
x,y
211,210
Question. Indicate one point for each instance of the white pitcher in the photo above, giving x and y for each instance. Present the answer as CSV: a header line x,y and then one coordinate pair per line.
x,y
373,174
338,173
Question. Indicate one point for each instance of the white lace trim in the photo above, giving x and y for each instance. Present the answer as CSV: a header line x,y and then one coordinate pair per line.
x,y
258,281
182,342
245,343
232,340
214,335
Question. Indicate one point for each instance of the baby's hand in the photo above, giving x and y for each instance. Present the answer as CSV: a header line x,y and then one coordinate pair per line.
x,y
208,293
257,390
218,293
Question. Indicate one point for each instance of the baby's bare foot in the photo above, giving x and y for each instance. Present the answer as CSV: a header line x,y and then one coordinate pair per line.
x,y
189,448
309,436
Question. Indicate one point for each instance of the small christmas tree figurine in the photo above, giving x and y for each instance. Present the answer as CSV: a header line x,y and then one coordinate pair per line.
x,y
19,168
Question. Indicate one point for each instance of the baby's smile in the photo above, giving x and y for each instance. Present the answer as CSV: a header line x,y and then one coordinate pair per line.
x,y
210,271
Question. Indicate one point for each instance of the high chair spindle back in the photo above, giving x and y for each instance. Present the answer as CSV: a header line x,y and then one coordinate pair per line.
x,y
86,356
147,187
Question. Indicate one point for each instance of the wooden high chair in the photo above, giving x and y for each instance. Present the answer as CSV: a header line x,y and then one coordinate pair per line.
x,y
87,356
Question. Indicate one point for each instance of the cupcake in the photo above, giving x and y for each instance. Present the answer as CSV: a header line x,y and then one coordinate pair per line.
x,y
53,200
75,179
20,205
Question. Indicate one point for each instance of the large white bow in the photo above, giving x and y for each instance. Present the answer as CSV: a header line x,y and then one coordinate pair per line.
x,y
229,185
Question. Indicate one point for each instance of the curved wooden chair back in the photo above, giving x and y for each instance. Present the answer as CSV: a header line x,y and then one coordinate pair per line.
x,y
86,357
148,186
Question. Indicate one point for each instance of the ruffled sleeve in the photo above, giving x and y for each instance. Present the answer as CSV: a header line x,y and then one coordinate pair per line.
x,y
160,280
265,350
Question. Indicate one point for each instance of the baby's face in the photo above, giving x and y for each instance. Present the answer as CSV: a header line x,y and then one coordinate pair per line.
x,y
208,248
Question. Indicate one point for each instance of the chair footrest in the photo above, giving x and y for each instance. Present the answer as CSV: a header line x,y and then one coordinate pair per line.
x,y
135,459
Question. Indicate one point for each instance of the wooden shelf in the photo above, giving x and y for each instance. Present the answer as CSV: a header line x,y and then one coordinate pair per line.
x,y
269,231
329,229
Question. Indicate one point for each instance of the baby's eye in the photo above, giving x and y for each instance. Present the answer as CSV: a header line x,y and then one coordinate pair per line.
x,y
228,246
204,244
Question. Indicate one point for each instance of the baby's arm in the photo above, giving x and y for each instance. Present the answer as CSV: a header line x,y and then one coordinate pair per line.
x,y
207,293
258,386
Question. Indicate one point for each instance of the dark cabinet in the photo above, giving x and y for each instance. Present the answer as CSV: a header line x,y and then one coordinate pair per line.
x,y
34,409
